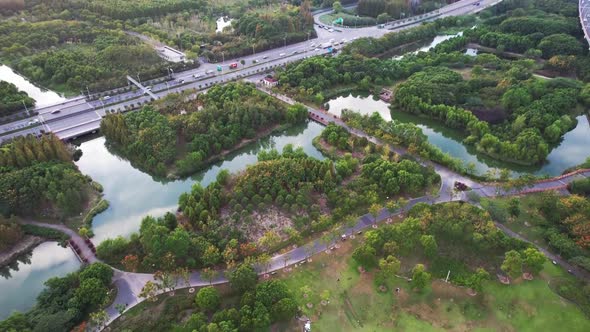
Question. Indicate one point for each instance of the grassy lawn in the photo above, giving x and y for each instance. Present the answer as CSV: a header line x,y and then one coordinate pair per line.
x,y
355,303
528,222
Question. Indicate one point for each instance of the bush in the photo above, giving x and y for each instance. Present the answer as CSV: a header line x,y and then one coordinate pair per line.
x,y
208,299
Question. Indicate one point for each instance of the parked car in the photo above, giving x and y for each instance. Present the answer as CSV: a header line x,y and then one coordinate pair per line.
x,y
55,112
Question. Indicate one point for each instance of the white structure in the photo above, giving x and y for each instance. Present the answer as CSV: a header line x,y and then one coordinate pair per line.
x,y
171,54
307,327
270,82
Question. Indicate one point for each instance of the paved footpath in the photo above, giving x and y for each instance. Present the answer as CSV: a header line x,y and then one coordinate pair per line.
x,y
129,284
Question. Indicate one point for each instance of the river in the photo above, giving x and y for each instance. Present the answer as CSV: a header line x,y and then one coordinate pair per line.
x,y
42,97
572,150
133,194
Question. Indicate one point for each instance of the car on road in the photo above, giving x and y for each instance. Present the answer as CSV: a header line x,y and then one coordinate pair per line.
x,y
320,26
32,122
210,72
181,81
265,57
106,97
233,65
282,55
330,30
55,112
254,61
197,75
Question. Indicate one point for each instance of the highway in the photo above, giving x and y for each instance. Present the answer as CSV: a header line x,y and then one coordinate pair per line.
x,y
78,116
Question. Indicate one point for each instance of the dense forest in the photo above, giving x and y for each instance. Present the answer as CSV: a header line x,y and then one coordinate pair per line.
x,y
12,100
37,177
65,303
185,135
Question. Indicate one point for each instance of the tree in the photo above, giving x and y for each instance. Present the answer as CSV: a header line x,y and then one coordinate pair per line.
x,y
533,260
101,271
429,245
476,280
208,299
209,274
514,207
149,291
420,278
130,263
99,318
512,264
120,308
389,267
243,278
264,261
92,292
337,7
365,255
374,210
284,309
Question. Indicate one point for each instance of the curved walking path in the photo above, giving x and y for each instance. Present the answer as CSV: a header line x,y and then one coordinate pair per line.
x,y
129,284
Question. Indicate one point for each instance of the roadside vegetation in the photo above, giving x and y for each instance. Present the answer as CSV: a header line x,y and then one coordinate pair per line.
x,y
71,45
560,224
12,100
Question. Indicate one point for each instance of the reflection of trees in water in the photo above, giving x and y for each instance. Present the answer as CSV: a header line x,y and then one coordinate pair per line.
x,y
24,258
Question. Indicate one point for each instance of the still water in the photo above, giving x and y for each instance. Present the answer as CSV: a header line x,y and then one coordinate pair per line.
x,y
20,285
132,195
42,97
572,150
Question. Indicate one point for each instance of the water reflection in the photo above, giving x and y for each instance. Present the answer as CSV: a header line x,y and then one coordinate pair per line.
x,y
572,150
20,286
42,97
134,194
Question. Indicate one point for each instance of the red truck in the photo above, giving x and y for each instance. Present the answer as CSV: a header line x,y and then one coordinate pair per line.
x,y
233,65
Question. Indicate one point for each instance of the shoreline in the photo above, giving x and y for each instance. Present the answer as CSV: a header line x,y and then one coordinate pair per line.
x,y
28,243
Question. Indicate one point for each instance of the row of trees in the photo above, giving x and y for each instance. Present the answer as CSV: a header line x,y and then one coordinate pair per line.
x,y
65,302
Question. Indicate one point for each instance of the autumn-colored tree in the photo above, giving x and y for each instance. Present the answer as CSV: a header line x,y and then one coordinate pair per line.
x,y
130,263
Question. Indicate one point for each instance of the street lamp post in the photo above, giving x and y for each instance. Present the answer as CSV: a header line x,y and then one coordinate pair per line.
x,y
285,41
138,79
87,90
25,105
167,87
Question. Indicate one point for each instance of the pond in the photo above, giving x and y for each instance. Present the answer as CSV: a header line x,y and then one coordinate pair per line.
x,y
20,284
572,150
42,97
424,46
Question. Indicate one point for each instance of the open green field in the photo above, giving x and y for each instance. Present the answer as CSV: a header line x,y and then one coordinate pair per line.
x,y
356,304
332,292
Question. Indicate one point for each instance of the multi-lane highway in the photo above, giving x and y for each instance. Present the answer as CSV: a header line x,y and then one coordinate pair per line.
x,y
78,116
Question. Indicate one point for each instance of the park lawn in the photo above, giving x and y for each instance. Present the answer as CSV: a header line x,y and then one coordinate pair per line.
x,y
529,222
356,304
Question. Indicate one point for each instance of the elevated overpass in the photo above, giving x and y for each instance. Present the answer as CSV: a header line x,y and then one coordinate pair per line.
x,y
141,87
